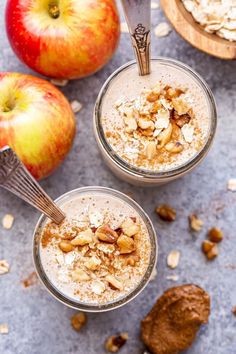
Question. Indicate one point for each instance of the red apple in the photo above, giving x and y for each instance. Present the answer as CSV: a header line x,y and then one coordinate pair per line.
x,y
36,120
66,39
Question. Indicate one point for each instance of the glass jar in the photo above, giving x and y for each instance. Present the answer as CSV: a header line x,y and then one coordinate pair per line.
x,y
74,303
122,83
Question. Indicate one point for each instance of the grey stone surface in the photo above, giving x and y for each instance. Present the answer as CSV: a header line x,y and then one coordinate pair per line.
x,y
38,324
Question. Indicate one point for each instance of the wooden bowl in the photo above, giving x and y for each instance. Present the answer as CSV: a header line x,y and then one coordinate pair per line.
x,y
192,32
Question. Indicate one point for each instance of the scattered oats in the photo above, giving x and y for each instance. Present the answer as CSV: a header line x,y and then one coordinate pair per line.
x,y
173,277
195,223
232,184
8,221
76,106
59,82
187,131
173,259
96,218
98,287
154,5
217,17
124,27
4,267
78,321
4,328
162,30
153,275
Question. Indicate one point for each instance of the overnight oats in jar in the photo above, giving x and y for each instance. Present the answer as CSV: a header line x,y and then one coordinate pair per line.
x,y
152,129
102,255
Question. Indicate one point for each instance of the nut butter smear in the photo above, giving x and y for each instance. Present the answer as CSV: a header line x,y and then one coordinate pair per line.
x,y
172,324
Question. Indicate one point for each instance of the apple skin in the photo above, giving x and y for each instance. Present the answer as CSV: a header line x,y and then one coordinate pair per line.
x,y
76,44
36,121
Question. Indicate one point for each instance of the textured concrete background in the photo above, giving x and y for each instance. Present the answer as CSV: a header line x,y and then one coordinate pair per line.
x,y
38,324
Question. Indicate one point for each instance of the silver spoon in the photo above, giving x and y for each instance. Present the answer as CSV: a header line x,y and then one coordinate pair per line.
x,y
15,178
138,17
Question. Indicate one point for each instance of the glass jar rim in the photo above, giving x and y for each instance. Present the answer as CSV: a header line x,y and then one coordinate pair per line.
x,y
143,173
119,301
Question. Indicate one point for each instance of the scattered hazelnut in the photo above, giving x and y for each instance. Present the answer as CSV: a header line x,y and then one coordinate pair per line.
x,y
126,244
114,343
166,212
215,235
78,321
213,253
195,223
234,310
106,234
207,246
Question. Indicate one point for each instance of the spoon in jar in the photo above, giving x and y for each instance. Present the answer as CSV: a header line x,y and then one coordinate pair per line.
x,y
15,178
138,18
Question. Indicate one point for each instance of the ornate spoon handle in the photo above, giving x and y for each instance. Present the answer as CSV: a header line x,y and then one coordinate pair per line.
x,y
138,17
15,177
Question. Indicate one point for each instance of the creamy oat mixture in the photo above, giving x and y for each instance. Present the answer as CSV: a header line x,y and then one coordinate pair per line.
x,y
99,253
216,16
158,129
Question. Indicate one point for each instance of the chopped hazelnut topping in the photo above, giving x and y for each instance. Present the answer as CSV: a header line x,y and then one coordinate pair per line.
x,y
66,246
130,227
166,212
78,321
215,235
195,223
126,244
154,125
101,263
84,238
114,343
106,234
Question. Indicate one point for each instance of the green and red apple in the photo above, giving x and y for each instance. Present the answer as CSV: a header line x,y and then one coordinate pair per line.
x,y
36,120
66,39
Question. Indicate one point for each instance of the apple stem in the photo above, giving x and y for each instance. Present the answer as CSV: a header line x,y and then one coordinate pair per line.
x,y
54,10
